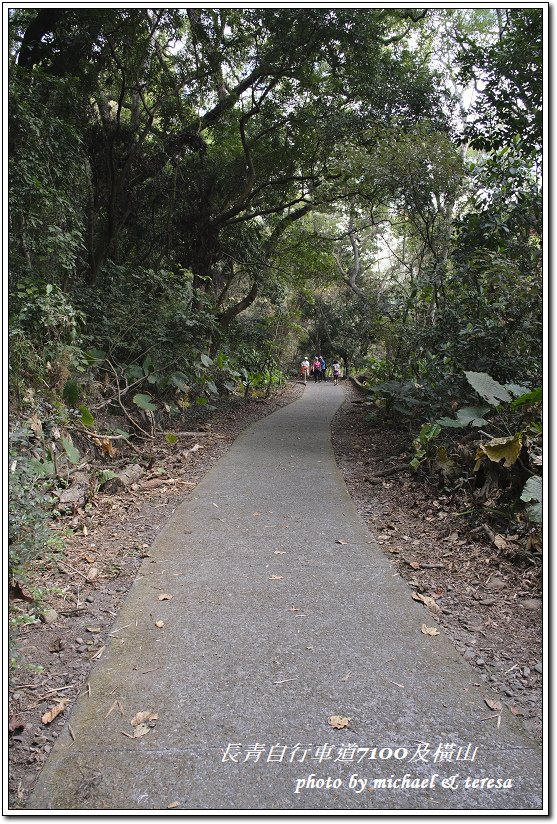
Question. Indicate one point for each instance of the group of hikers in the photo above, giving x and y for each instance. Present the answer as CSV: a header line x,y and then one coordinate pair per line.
x,y
318,368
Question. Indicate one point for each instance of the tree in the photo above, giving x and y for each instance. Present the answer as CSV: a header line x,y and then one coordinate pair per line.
x,y
510,76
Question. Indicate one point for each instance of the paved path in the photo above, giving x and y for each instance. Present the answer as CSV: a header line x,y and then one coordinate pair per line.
x,y
274,626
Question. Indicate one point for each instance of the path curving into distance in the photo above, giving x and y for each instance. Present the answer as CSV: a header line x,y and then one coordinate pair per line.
x,y
273,628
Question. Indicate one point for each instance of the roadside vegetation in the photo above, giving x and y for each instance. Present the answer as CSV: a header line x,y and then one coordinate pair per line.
x,y
199,197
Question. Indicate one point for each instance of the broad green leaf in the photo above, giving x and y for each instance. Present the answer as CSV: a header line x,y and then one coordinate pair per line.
x,y
201,401
134,372
145,402
466,415
212,388
414,463
206,360
488,388
153,377
230,387
535,513
473,415
517,390
450,422
179,380
69,449
502,449
533,489
170,438
87,418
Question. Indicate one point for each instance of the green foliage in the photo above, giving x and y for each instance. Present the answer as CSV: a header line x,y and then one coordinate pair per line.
x,y
44,343
87,418
512,70
404,397
422,444
145,402
487,388
70,450
29,504
533,491
496,395
465,416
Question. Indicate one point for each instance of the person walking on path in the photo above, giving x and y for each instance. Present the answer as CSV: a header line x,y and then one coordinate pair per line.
x,y
323,368
304,368
336,371
316,366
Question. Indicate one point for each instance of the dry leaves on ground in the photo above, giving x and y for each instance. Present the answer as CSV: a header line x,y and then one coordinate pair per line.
x,y
55,711
141,717
429,630
428,602
142,722
339,722
165,597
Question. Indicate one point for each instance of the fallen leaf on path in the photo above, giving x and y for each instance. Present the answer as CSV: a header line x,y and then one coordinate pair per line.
x,y
55,711
429,630
493,704
141,717
165,597
173,805
500,542
92,574
516,711
341,541
159,624
427,601
413,564
276,577
339,722
139,731
93,629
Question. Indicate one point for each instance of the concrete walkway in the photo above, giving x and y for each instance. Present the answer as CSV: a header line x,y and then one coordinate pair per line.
x,y
283,614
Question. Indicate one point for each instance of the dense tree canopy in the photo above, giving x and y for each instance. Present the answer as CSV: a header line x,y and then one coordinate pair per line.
x,y
197,196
